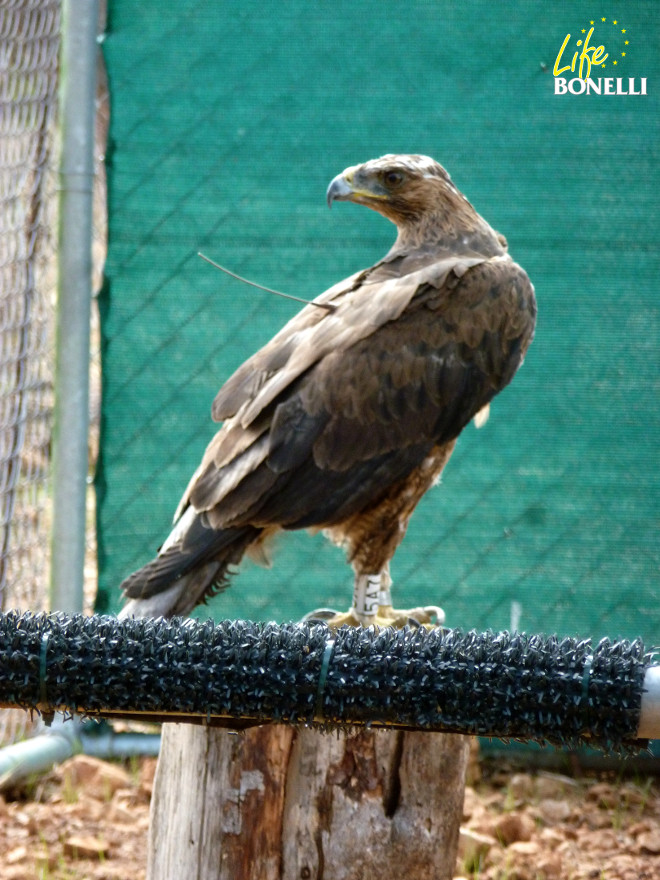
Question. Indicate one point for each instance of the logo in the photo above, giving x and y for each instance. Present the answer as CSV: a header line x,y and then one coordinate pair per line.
x,y
597,68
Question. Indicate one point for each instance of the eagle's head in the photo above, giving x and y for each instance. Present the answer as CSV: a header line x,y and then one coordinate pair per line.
x,y
417,194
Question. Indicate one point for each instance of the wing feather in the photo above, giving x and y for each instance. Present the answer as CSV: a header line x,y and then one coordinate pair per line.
x,y
363,303
357,397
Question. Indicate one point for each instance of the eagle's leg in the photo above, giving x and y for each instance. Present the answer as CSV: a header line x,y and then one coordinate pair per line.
x,y
368,596
387,615
371,537
364,610
372,606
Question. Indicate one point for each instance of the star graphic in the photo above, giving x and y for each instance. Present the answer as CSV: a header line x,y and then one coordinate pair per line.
x,y
591,22
614,22
623,31
584,30
626,43
623,53
603,19
614,62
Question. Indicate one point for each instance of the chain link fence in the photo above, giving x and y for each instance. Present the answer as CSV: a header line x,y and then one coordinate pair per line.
x,y
29,45
30,35
30,32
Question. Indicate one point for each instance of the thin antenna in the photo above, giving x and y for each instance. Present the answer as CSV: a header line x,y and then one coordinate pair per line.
x,y
329,306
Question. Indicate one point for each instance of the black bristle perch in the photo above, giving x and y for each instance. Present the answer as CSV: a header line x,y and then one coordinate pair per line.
x,y
508,685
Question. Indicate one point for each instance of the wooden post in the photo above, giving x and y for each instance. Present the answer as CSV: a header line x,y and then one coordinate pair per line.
x,y
278,803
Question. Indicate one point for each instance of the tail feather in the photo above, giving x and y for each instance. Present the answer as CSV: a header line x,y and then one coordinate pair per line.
x,y
176,600
187,571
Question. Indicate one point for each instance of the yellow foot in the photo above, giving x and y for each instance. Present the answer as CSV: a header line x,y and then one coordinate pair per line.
x,y
430,616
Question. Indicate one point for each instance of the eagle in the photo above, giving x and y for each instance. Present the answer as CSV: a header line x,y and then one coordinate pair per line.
x,y
349,414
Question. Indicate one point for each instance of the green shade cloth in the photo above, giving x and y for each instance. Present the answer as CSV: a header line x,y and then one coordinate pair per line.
x,y
228,122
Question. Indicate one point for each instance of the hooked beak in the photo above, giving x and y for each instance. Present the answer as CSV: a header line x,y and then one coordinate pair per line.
x,y
340,190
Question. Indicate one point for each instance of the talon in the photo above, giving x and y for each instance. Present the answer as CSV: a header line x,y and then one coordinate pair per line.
x,y
430,616
434,611
322,615
333,619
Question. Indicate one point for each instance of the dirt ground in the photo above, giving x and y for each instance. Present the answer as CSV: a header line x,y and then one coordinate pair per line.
x,y
88,820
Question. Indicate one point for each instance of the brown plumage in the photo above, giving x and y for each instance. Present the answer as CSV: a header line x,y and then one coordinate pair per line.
x,y
347,416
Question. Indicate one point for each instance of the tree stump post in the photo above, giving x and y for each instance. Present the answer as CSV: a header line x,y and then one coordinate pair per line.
x,y
279,803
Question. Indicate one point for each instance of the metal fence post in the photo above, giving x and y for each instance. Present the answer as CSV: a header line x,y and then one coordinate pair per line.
x,y
70,443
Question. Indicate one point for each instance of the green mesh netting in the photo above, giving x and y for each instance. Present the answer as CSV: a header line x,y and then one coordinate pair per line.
x,y
229,120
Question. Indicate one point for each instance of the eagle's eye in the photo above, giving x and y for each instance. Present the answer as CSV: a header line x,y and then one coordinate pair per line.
x,y
393,178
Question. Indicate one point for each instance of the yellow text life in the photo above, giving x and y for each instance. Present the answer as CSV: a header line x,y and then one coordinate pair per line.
x,y
598,56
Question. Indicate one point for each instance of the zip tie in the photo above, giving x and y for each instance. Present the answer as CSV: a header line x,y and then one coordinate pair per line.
x,y
586,672
323,676
42,668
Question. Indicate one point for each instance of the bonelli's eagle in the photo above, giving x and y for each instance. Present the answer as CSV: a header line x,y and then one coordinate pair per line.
x,y
349,414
